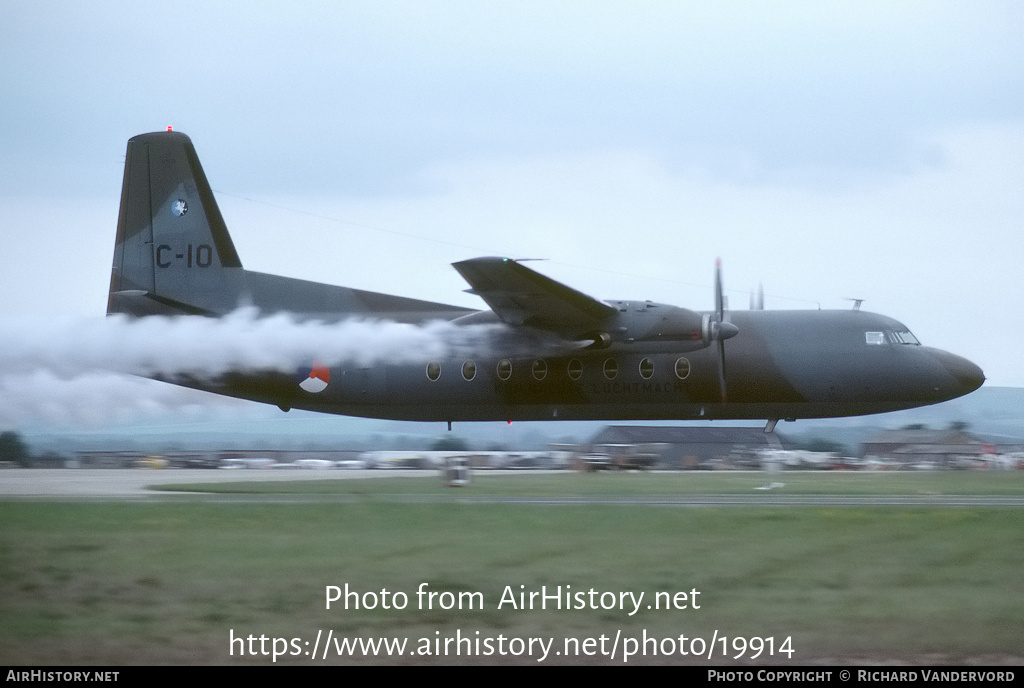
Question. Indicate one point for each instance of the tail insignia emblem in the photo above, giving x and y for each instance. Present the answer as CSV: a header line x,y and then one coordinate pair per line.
x,y
179,208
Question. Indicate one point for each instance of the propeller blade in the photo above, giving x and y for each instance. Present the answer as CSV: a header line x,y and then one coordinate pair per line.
x,y
721,368
719,299
720,330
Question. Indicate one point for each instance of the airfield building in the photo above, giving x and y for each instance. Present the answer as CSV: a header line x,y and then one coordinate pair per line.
x,y
924,448
693,448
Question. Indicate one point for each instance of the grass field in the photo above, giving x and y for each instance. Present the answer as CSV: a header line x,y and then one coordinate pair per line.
x,y
168,582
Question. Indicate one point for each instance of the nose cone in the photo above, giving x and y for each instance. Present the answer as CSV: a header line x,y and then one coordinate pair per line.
x,y
967,376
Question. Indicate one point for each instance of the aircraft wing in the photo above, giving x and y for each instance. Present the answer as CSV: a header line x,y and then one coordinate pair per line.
x,y
520,296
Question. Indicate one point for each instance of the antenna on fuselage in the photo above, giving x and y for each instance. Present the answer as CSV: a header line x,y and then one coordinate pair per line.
x,y
856,303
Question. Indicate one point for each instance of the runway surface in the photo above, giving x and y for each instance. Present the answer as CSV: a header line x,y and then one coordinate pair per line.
x,y
132,484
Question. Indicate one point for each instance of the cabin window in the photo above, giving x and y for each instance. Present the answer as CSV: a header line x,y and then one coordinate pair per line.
x,y
874,338
575,369
611,368
504,369
469,370
540,369
646,368
433,371
682,368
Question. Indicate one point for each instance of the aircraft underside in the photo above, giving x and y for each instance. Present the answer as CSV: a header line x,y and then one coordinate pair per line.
x,y
638,408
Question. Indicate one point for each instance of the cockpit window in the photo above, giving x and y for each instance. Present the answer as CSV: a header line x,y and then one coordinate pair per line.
x,y
891,337
903,337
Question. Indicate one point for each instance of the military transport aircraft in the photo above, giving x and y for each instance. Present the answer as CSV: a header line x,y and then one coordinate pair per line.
x,y
557,353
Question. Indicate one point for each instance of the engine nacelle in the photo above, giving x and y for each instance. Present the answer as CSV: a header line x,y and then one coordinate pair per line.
x,y
663,323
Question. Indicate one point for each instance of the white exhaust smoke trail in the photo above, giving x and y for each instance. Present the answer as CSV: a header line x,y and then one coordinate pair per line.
x,y
240,341
67,368
40,399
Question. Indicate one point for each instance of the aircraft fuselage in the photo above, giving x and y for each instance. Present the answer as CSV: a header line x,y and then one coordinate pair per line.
x,y
782,365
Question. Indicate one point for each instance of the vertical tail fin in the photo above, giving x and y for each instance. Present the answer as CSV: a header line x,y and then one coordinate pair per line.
x,y
173,253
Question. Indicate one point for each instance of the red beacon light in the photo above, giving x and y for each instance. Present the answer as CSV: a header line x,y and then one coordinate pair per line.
x,y
170,128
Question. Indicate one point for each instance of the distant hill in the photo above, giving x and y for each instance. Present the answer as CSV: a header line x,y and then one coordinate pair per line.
x,y
993,413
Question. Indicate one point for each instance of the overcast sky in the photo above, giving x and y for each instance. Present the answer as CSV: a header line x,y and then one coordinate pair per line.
x,y
827,150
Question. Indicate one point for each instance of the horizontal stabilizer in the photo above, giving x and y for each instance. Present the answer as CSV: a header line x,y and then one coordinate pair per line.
x,y
138,303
